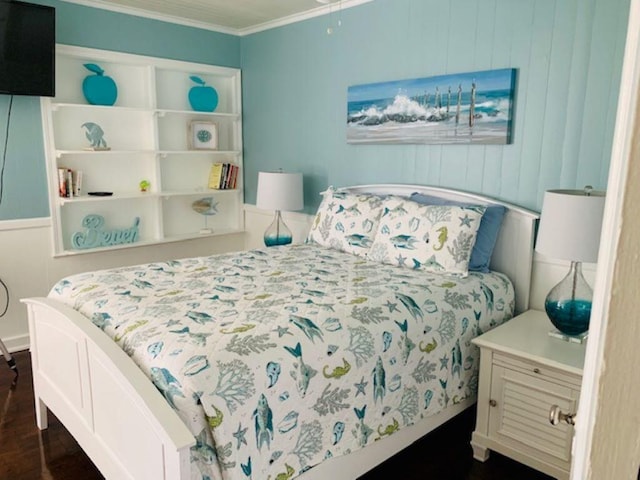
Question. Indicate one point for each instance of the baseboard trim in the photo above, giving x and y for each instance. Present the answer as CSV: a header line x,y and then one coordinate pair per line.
x,y
17,343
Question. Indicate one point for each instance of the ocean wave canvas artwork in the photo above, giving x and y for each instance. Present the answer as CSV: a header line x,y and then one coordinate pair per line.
x,y
462,108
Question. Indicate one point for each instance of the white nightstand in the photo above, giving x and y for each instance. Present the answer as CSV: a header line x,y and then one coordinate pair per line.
x,y
523,373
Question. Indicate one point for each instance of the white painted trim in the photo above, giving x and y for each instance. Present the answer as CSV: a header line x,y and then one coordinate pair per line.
x,y
611,226
17,343
135,59
298,17
25,223
138,12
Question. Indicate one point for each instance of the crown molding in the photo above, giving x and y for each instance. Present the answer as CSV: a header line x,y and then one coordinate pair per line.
x,y
325,9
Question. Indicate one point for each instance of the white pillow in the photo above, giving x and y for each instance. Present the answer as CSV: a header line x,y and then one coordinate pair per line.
x,y
436,238
346,221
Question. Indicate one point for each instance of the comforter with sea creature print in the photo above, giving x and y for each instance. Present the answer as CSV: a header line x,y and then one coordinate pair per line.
x,y
278,359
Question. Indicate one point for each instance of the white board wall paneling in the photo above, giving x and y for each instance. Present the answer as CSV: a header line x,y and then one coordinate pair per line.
x,y
484,34
418,33
576,94
560,61
595,144
521,17
533,118
608,131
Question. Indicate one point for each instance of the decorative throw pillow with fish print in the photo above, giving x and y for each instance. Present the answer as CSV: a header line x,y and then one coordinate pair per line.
x,y
437,238
346,221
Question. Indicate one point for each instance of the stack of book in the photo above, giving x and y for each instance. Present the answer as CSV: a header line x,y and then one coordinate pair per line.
x,y
69,182
223,176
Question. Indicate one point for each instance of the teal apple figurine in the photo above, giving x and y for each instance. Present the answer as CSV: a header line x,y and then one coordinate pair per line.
x,y
202,97
99,89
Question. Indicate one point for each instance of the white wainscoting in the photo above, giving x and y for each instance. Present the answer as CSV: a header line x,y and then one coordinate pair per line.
x,y
28,268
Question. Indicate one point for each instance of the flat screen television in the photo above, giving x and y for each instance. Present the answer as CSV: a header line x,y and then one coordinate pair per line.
x,y
27,49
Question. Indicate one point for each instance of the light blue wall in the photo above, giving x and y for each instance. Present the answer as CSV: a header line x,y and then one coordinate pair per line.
x,y
295,79
568,54
25,186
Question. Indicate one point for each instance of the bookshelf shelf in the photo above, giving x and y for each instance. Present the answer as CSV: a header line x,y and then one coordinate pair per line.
x,y
147,133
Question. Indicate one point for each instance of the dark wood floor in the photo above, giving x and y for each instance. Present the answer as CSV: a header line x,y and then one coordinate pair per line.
x,y
28,454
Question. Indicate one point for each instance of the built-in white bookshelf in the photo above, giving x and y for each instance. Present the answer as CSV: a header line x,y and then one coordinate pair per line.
x,y
147,132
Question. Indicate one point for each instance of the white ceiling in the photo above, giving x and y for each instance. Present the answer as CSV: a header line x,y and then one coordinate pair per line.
x,y
238,17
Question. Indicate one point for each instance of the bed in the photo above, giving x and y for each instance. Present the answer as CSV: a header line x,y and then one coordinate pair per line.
x,y
327,362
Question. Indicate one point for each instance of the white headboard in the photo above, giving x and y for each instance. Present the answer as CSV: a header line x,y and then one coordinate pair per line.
x,y
513,254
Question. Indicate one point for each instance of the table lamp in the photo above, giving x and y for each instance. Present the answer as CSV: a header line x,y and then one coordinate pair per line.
x,y
570,227
279,191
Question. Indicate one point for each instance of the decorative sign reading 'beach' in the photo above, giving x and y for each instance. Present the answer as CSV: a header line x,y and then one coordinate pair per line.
x,y
96,236
464,108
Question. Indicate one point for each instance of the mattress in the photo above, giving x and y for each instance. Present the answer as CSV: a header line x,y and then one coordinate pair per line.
x,y
278,359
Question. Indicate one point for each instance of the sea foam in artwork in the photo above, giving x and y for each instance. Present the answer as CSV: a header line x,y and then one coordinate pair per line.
x,y
467,108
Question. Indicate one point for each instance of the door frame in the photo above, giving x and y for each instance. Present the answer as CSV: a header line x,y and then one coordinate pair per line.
x,y
612,223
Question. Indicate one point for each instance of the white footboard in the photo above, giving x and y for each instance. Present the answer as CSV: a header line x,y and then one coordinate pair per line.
x,y
111,408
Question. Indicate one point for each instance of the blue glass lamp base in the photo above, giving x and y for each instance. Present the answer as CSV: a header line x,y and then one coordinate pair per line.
x,y
275,241
277,233
571,317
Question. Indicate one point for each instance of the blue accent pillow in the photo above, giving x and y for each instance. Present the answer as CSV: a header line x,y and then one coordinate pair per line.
x,y
487,233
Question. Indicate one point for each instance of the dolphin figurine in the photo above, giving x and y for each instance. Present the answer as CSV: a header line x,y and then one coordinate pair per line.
x,y
94,134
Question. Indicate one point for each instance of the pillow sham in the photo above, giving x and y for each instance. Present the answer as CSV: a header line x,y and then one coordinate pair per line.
x,y
487,232
346,221
435,238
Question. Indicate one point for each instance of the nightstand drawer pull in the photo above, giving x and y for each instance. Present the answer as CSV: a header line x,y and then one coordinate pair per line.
x,y
536,370
556,416
493,403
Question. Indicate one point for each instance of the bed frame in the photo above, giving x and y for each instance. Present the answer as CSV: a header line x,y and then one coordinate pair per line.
x,y
128,429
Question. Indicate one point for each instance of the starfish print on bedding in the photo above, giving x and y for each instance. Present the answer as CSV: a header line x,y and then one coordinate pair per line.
x,y
444,362
239,436
466,221
393,307
360,387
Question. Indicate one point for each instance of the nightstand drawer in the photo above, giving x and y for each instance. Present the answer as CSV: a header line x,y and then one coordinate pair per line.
x,y
540,371
521,414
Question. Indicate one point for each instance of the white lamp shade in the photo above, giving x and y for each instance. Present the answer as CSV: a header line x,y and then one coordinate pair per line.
x,y
570,225
279,191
